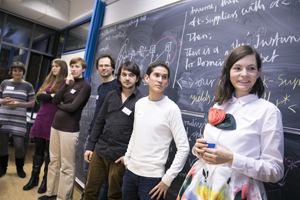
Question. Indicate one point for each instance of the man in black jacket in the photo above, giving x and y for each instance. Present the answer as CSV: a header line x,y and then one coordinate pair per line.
x,y
105,65
111,133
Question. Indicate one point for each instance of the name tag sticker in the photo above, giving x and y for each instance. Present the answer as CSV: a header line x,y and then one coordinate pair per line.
x,y
248,119
140,114
126,111
10,87
72,91
97,97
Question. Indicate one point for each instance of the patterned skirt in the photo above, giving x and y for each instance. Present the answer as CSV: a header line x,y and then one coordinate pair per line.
x,y
219,182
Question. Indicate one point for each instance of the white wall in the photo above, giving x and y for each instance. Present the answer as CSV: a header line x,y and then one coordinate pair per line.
x,y
54,13
68,57
126,9
80,9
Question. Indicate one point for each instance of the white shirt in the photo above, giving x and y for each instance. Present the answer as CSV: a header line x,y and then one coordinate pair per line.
x,y
156,123
257,142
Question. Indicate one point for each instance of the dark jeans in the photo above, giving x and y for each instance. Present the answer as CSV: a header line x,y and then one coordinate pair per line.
x,y
135,186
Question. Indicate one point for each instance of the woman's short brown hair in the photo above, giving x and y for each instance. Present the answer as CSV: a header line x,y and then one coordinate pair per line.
x,y
17,65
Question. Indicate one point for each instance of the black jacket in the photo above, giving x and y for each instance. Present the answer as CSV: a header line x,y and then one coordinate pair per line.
x,y
114,124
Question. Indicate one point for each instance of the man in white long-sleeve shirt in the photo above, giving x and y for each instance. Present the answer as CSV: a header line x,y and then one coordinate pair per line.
x,y
157,121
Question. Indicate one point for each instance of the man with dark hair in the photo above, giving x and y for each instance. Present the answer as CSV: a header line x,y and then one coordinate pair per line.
x,y
111,134
157,122
105,65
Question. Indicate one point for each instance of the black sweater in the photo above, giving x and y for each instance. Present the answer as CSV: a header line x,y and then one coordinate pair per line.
x,y
70,100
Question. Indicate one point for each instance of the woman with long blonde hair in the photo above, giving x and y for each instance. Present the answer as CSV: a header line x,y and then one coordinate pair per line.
x,y
42,124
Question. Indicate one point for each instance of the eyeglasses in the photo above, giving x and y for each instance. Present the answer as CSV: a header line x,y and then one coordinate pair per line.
x,y
104,66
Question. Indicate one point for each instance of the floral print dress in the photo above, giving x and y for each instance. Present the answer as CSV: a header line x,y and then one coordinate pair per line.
x,y
218,182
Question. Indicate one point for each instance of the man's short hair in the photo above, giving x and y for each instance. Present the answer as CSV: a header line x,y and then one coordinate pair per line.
x,y
157,64
78,59
112,61
133,68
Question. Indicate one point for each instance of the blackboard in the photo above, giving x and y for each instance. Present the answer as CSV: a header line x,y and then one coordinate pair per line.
x,y
194,38
86,118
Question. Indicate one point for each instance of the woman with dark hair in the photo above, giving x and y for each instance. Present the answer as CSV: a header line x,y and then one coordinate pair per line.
x,y
42,124
243,138
16,95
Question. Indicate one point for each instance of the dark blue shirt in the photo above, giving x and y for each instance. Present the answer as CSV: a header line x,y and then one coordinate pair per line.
x,y
103,90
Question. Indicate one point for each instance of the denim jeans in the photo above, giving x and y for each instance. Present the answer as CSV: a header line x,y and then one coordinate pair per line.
x,y
138,187
104,190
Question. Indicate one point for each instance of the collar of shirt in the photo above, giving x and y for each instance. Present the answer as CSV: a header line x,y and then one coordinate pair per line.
x,y
79,79
158,99
119,91
244,100
108,82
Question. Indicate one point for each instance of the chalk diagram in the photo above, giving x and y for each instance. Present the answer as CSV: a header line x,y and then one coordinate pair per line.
x,y
290,164
144,55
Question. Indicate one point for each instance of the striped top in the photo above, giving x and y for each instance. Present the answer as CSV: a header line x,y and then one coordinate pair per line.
x,y
13,120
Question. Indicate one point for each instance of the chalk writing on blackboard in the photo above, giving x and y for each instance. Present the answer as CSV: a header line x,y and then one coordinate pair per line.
x,y
150,54
195,37
290,163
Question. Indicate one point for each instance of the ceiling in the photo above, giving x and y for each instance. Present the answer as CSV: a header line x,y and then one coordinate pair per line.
x,y
54,13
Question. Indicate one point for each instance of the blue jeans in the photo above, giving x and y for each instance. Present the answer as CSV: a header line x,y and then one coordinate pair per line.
x,y
104,189
135,186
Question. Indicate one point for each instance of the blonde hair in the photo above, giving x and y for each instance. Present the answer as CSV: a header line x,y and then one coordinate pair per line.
x,y
63,73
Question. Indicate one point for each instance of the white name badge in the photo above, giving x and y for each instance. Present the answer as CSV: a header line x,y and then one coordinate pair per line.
x,y
10,87
72,91
97,97
140,114
248,119
126,111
